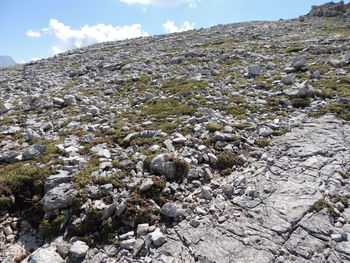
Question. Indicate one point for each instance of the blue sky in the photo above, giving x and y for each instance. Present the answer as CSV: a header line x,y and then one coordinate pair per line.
x,y
33,29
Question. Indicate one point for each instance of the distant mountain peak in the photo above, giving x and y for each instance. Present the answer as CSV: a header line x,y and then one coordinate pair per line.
x,y
6,61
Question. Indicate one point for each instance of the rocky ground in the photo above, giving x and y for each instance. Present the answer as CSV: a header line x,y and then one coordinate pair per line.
x,y
227,144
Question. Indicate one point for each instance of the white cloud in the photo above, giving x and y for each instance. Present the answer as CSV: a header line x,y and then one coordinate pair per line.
x,y
68,38
35,59
33,34
190,3
170,26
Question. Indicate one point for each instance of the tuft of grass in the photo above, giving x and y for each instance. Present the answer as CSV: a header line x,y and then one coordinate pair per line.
x,y
214,127
280,132
322,204
345,175
166,108
342,199
51,228
147,162
341,110
241,126
84,177
325,93
140,210
294,49
182,168
237,99
90,224
23,180
5,203
226,160
178,86
168,127
226,172
116,180
262,142
301,102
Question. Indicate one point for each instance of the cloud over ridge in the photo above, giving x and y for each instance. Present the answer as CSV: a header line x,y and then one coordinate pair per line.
x,y
68,38
170,26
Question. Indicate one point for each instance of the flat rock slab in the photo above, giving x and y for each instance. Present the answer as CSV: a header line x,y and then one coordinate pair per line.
x,y
279,224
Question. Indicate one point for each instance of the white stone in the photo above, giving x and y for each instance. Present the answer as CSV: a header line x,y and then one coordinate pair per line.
x,y
78,250
146,184
157,238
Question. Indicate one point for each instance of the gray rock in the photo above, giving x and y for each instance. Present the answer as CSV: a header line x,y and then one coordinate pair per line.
x,y
5,107
33,151
120,208
58,101
59,197
78,250
108,211
254,70
219,136
265,132
148,95
138,246
154,148
94,110
158,163
330,9
47,126
56,179
288,80
31,135
69,100
169,170
299,62
170,210
45,255
128,244
104,153
299,91
206,193
157,238
142,229
8,157
98,258
169,145
347,57
146,184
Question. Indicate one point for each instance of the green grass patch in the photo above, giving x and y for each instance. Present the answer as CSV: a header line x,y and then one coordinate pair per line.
x,y
262,142
166,108
214,127
84,177
300,102
341,110
177,86
226,160
293,49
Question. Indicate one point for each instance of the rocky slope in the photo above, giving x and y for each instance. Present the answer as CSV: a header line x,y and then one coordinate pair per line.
x,y
227,144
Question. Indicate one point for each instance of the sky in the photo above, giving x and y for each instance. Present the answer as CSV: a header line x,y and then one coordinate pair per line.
x,y
34,29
